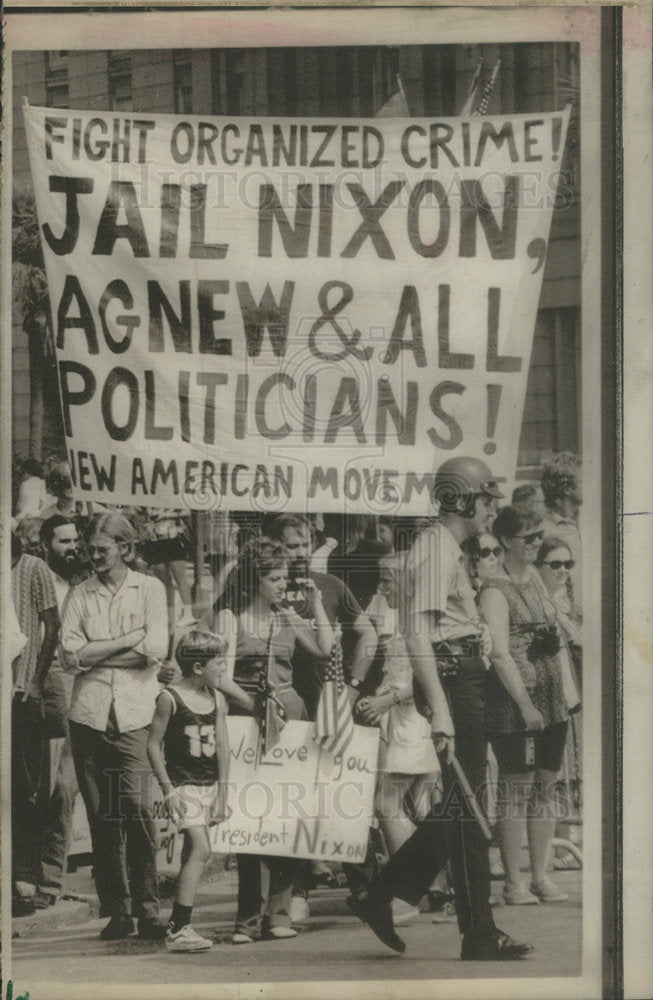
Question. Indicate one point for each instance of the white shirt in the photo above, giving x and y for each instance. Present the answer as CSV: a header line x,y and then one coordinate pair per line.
x,y
91,612
32,498
61,588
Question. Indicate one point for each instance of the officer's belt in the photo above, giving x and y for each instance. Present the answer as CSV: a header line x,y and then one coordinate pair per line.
x,y
466,648
452,657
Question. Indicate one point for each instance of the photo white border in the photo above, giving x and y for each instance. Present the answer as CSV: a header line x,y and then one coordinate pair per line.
x,y
638,502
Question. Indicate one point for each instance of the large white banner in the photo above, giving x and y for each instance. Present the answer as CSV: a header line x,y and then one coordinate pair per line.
x,y
271,314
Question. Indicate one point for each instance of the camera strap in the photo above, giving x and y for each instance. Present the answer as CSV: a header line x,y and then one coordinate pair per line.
x,y
546,619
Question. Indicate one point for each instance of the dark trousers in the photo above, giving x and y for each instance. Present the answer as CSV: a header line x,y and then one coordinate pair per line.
x,y
264,891
450,832
58,827
114,777
30,781
360,876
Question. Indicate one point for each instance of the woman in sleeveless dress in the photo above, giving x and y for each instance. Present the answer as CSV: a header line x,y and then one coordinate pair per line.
x,y
527,711
261,637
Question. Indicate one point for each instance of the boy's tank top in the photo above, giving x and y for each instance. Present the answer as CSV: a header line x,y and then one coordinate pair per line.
x,y
189,744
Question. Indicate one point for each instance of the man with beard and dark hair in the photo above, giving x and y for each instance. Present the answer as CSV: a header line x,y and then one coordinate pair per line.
x,y
359,639
60,546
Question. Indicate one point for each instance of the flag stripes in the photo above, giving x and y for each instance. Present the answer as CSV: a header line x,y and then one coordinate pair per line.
x,y
334,724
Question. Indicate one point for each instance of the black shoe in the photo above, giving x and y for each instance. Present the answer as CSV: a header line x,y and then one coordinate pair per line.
x,y
329,880
42,899
378,917
22,906
151,929
499,948
118,928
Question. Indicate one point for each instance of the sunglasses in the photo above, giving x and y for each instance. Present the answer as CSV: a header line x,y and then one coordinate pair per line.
x,y
485,552
559,563
535,536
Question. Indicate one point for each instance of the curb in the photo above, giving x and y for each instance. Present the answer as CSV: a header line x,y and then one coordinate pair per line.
x,y
65,913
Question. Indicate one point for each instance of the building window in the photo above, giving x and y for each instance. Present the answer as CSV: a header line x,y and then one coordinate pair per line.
x,y
120,81
56,79
384,76
566,76
182,77
235,81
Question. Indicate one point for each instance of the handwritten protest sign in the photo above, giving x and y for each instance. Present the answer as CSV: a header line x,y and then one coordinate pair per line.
x,y
298,801
268,312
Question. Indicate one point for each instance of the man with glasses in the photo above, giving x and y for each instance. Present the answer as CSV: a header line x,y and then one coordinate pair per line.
x,y
447,643
114,630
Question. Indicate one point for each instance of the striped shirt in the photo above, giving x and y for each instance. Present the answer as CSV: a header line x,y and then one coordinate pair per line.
x,y
33,593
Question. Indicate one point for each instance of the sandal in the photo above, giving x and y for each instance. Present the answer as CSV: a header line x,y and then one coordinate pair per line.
x,y
548,892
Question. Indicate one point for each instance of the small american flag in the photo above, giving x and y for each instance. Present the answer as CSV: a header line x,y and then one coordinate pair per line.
x,y
334,724
269,711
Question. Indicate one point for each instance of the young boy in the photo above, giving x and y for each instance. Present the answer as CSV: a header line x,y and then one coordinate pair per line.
x,y
189,753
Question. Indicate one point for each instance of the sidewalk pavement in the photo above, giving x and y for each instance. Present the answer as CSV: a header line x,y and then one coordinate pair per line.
x,y
61,945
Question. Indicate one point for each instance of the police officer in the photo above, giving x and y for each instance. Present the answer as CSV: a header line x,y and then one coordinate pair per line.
x,y
446,641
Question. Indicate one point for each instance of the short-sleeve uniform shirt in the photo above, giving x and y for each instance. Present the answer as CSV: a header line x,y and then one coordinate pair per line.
x,y
437,580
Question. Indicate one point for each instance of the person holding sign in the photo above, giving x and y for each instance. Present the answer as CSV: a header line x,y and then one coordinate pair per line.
x,y
114,632
188,749
447,642
262,636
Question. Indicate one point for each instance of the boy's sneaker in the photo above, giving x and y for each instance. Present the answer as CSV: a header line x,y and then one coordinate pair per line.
x,y
299,909
187,939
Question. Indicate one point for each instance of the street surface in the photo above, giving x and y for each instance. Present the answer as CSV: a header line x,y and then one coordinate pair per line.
x,y
332,945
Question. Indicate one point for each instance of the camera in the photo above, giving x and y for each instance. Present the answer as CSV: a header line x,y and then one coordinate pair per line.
x,y
545,642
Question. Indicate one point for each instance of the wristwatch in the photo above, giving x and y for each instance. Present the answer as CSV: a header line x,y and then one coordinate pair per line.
x,y
355,683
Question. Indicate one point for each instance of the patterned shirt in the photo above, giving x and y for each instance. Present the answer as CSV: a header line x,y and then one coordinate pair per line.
x,y
92,612
32,591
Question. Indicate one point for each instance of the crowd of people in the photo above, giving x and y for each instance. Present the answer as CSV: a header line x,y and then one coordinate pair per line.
x,y
461,641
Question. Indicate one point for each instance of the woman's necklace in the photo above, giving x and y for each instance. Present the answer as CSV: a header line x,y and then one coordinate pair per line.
x,y
260,625
517,583
519,588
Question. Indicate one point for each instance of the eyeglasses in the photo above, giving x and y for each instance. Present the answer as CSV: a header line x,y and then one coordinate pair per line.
x,y
535,536
485,552
559,563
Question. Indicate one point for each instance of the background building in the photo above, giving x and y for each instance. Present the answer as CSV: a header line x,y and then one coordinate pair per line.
x,y
348,81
